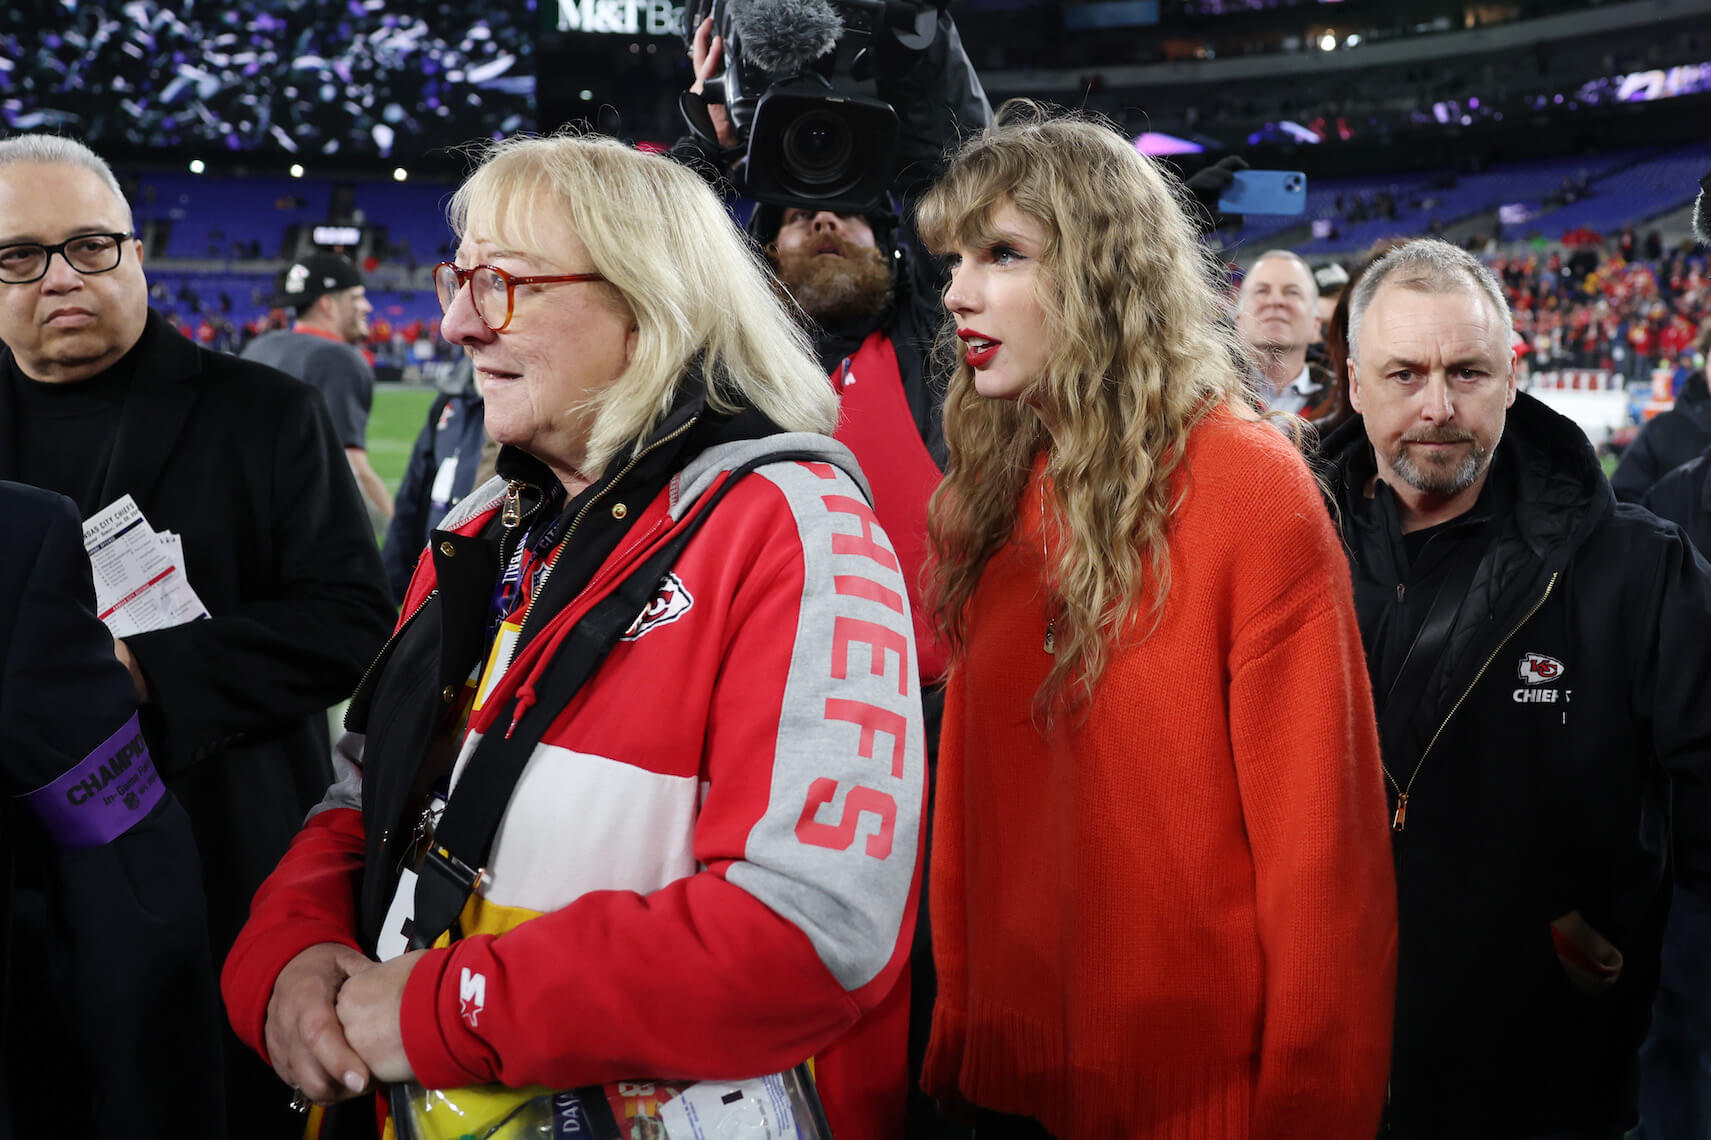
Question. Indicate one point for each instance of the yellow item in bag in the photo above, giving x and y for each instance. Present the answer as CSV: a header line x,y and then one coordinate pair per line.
x,y
783,1106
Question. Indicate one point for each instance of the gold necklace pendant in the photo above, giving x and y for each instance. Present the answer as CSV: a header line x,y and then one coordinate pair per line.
x,y
1051,638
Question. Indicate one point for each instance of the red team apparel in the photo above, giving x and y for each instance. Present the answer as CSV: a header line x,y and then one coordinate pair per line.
x,y
709,866
875,422
1171,914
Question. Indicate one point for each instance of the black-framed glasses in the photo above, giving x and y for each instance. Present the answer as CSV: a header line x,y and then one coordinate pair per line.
x,y
27,261
488,285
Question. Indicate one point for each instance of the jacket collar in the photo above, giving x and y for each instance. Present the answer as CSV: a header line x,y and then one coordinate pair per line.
x,y
162,363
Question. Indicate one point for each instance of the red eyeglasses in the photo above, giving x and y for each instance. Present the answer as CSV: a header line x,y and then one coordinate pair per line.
x,y
487,283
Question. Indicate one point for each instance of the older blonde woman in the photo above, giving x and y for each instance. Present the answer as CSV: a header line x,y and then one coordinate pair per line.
x,y
1162,899
704,866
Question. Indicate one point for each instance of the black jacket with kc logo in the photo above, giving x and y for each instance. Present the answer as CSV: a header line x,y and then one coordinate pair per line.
x,y
1537,731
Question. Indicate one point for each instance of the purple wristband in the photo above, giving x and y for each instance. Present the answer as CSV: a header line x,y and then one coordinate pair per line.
x,y
104,795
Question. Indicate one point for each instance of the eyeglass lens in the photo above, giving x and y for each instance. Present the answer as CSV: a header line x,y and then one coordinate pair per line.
x,y
486,292
94,253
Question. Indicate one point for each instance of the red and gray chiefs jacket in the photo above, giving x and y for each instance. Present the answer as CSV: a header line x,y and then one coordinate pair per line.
x,y
709,866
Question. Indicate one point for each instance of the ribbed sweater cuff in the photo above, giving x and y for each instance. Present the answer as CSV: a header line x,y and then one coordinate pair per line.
x,y
1011,1064
943,1064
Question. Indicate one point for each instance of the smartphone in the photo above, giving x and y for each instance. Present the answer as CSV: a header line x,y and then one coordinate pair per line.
x,y
1265,192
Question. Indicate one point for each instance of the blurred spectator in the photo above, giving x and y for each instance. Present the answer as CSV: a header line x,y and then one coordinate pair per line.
x,y
1277,317
451,456
320,349
1332,279
1668,439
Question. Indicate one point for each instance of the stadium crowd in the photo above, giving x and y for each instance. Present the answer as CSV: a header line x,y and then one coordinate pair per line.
x,y
1608,308
162,75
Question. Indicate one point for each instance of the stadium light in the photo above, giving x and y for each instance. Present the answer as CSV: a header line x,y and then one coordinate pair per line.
x,y
1353,40
197,166
1328,41
296,170
399,174
586,94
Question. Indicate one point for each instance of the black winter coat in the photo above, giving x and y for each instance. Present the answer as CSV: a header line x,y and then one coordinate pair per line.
x,y
241,461
1571,687
109,988
1664,443
1684,497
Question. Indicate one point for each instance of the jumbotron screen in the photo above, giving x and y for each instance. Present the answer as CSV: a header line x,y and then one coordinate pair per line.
x,y
357,78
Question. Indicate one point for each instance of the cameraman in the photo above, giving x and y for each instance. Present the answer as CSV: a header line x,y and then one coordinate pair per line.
x,y
872,293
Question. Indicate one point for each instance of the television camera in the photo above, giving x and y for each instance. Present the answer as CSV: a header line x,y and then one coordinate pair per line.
x,y
802,85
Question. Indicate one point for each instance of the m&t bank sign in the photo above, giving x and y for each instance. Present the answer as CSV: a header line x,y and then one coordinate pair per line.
x,y
621,17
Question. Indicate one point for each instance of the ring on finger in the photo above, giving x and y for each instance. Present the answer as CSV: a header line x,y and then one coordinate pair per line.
x,y
300,1102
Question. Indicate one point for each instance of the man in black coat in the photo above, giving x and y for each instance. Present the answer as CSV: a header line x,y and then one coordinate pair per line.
x,y
1684,497
100,398
452,456
1675,1098
1667,440
129,1004
1539,656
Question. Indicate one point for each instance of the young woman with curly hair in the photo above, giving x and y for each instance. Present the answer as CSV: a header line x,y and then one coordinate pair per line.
x,y
1162,899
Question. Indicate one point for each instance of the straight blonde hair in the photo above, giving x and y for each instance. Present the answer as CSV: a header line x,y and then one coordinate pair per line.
x,y
695,286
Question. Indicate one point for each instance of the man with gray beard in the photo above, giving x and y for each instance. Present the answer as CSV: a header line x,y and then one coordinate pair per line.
x,y
1539,656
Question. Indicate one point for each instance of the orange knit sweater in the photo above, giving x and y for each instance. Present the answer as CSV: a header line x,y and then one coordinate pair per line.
x,y
1175,917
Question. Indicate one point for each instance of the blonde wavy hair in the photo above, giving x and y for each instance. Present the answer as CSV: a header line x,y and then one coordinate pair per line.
x,y
1141,350
694,285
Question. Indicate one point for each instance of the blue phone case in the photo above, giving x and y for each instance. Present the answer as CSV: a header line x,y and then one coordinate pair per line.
x,y
1265,192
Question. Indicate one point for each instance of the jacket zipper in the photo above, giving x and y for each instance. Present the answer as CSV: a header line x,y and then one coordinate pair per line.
x,y
529,606
1400,819
512,517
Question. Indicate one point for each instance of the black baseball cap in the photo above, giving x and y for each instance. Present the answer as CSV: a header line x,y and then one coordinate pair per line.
x,y
313,277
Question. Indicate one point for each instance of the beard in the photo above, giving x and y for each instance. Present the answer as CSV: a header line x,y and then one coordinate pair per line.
x,y
1441,478
838,292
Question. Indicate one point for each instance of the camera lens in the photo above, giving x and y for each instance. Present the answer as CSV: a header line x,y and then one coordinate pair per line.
x,y
817,149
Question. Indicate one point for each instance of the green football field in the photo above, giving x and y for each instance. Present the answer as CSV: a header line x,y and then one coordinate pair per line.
x,y
393,425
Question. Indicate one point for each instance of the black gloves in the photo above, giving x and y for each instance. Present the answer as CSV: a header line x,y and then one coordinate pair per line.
x,y
1208,186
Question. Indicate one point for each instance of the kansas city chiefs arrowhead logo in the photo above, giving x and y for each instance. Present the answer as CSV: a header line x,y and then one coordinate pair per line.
x,y
1537,669
671,603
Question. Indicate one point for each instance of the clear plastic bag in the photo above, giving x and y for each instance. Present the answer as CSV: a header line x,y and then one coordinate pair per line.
x,y
780,1107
